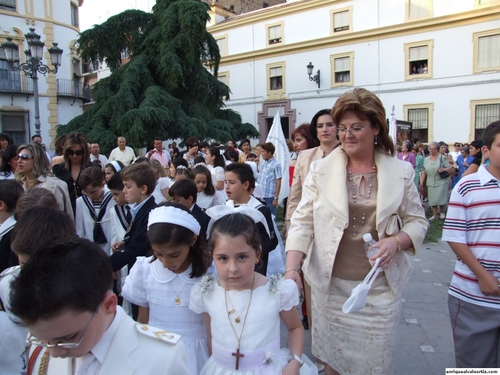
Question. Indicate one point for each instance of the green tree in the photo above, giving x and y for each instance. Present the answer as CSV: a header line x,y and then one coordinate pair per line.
x,y
168,89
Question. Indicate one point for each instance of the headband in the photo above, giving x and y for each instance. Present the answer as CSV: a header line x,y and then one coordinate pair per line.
x,y
181,167
217,212
198,164
174,215
115,164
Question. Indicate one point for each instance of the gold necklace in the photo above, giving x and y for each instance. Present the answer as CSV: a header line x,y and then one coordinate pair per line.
x,y
237,354
177,298
237,319
354,197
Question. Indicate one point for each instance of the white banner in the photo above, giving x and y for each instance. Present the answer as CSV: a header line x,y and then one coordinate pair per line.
x,y
282,155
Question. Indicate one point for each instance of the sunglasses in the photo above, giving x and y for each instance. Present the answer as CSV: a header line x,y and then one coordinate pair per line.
x,y
23,156
77,152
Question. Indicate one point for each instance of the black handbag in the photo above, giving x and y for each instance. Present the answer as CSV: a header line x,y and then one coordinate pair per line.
x,y
444,174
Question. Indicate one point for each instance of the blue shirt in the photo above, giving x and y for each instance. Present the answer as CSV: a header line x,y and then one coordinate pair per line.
x,y
137,207
269,173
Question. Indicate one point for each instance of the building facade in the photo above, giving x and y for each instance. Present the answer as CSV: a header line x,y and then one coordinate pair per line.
x,y
61,96
435,63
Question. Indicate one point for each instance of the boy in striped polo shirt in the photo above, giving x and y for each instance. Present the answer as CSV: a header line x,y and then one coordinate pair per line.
x,y
472,229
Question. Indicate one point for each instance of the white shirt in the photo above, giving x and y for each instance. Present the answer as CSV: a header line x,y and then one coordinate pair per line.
x,y
103,159
100,350
125,156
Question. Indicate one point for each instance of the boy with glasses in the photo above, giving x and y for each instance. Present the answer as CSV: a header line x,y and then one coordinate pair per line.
x,y
63,295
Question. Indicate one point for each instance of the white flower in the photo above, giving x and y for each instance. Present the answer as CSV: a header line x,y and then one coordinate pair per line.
x,y
207,283
274,284
269,358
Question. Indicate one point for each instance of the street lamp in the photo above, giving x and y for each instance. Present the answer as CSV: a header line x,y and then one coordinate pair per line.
x,y
33,64
310,68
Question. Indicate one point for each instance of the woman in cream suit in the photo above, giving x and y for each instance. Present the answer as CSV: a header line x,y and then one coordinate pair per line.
x,y
359,188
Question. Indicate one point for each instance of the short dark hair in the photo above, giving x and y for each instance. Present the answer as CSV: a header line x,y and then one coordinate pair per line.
x,y
68,274
39,225
233,155
109,165
234,225
184,188
199,160
251,155
162,233
157,139
142,174
244,173
10,191
201,169
313,128
35,197
36,136
490,134
191,142
115,182
93,176
269,147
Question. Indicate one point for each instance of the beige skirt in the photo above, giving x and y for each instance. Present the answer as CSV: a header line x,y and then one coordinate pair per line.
x,y
360,342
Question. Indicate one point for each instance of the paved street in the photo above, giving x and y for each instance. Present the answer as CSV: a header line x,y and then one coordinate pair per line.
x,y
424,343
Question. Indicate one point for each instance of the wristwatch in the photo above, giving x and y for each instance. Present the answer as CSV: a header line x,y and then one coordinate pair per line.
x,y
296,357
275,198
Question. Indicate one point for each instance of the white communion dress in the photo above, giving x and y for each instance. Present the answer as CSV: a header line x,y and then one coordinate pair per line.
x,y
260,340
166,293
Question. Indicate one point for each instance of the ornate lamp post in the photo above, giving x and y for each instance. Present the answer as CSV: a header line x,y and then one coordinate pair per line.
x,y
33,64
315,78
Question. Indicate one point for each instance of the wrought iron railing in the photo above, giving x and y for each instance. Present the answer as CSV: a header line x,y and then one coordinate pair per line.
x,y
15,82
73,88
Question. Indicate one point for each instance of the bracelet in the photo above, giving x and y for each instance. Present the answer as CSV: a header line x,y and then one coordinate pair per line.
x,y
397,240
291,269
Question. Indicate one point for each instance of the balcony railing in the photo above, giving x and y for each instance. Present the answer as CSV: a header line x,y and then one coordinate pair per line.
x,y
15,82
73,88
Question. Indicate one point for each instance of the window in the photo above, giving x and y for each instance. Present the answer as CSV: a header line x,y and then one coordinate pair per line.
x,y
483,113
342,69
341,20
276,80
274,34
419,59
125,54
483,3
222,43
9,80
486,51
8,5
418,9
224,78
14,125
420,115
74,15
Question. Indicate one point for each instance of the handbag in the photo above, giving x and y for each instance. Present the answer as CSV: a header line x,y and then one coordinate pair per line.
x,y
357,299
444,174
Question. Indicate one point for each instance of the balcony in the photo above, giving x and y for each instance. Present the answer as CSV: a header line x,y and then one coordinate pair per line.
x,y
15,82
72,88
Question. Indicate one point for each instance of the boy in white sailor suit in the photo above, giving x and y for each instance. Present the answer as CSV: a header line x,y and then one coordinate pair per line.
x,y
93,208
63,296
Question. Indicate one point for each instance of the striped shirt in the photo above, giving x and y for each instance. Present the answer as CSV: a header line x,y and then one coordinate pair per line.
x,y
474,219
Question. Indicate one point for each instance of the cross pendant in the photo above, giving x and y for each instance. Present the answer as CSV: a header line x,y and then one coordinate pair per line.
x,y
237,355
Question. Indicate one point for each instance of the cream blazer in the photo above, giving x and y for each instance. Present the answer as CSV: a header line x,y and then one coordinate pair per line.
x,y
130,353
318,223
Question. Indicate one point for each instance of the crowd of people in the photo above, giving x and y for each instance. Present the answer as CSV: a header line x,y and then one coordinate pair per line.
x,y
162,263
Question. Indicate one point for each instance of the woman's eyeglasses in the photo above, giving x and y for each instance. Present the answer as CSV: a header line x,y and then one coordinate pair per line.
x,y
77,152
23,156
354,130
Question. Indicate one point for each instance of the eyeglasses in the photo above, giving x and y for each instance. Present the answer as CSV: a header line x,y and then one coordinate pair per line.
x,y
354,130
23,156
64,345
77,152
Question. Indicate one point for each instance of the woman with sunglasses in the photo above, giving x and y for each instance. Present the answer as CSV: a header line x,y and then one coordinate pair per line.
x,y
33,170
76,158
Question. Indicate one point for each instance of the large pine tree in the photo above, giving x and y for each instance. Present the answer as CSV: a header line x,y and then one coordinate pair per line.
x,y
169,88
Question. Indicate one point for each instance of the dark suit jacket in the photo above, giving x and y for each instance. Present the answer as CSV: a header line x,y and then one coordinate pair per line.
x,y
136,239
7,256
202,217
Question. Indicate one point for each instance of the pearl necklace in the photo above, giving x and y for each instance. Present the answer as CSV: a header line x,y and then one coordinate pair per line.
x,y
369,184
